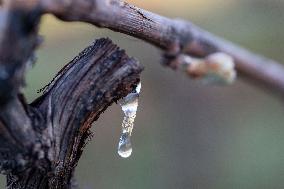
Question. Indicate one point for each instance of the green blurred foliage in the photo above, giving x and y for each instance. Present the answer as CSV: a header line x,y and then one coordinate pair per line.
x,y
186,135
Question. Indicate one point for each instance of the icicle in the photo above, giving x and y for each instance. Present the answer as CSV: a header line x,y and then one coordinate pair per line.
x,y
129,106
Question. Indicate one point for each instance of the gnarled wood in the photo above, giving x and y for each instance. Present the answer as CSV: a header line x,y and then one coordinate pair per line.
x,y
62,116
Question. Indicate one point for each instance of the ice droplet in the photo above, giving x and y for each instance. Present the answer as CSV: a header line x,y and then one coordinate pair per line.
x,y
129,106
124,146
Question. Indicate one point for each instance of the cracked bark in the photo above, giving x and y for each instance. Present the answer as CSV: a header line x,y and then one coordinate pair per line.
x,y
60,119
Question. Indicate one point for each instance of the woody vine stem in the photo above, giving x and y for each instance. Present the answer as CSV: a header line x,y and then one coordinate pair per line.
x,y
41,143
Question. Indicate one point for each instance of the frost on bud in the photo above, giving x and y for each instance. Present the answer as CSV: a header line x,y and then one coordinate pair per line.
x,y
217,68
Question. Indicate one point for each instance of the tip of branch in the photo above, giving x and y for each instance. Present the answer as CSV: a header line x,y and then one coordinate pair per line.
x,y
221,68
216,68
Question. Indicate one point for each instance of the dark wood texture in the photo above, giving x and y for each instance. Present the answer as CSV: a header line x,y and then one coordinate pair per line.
x,y
48,135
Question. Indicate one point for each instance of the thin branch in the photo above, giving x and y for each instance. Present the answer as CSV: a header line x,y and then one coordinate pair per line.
x,y
175,37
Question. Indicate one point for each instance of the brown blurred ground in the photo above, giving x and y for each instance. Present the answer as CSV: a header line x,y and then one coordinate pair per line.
x,y
187,136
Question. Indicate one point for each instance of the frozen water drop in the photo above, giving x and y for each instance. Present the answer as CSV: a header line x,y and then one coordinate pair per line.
x,y
124,146
129,106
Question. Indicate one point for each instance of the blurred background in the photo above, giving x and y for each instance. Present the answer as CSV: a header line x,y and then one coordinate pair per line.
x,y
186,135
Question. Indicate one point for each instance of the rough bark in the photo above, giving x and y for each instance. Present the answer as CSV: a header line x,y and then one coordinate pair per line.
x,y
41,143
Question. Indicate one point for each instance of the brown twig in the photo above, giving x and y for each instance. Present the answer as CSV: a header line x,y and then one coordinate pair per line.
x,y
175,37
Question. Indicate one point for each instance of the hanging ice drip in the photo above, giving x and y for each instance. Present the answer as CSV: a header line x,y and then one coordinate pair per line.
x,y
129,106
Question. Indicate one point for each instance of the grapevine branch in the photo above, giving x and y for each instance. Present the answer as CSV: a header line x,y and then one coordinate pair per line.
x,y
41,142
173,36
